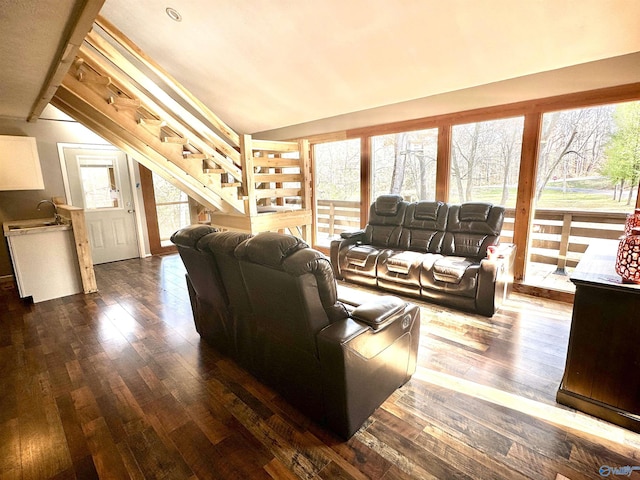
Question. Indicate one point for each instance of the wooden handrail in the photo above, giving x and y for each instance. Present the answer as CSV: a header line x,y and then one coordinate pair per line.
x,y
227,132
168,108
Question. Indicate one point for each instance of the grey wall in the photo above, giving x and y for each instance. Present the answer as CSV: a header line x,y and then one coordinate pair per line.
x,y
48,131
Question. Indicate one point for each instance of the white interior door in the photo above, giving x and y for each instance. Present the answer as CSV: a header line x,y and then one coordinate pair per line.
x,y
98,180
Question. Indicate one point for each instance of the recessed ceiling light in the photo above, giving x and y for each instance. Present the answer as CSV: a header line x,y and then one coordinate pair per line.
x,y
174,14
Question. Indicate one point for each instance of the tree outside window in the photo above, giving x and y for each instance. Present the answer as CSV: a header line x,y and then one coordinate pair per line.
x,y
485,161
405,164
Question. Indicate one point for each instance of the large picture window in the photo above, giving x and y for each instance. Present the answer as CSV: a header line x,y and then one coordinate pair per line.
x,y
405,164
586,183
337,189
485,161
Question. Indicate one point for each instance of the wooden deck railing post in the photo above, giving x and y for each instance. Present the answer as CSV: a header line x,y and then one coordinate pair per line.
x,y
332,219
564,243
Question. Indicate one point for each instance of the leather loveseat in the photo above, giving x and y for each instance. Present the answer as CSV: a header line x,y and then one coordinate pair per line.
x,y
270,302
431,250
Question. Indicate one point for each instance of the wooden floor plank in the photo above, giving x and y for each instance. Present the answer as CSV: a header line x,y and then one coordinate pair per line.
x,y
117,384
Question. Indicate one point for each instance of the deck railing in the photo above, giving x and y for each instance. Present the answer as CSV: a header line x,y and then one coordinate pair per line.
x,y
334,217
559,237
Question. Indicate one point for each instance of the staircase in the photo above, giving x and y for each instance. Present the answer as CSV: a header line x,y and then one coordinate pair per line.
x,y
246,184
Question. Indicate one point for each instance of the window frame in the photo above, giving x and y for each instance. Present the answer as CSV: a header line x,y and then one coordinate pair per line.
x,y
532,110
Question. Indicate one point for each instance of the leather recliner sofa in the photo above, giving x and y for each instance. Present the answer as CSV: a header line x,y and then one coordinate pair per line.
x,y
270,302
430,250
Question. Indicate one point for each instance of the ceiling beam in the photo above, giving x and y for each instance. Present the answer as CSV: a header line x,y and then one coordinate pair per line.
x,y
79,25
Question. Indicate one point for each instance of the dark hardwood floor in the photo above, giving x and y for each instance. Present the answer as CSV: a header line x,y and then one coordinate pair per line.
x,y
117,385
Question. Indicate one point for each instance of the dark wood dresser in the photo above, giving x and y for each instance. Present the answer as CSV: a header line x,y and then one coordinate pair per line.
x,y
602,373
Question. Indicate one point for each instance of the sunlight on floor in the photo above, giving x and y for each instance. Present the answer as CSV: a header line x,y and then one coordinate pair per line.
x,y
549,413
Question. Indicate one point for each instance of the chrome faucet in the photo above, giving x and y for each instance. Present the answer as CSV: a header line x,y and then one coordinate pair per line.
x,y
57,217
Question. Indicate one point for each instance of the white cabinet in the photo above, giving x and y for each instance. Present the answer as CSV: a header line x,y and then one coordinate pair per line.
x,y
45,262
19,164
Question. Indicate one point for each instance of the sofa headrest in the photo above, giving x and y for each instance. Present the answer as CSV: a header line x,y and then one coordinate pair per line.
x,y
310,261
269,248
475,217
427,210
223,242
190,236
387,205
474,212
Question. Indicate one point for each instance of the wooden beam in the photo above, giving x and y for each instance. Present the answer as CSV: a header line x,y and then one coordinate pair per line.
x,y
524,210
365,180
275,162
277,192
275,146
443,163
248,172
83,248
279,177
306,181
123,83
168,108
269,222
238,223
79,26
121,130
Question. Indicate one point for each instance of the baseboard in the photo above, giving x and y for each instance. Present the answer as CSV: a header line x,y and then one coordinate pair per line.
x,y
535,291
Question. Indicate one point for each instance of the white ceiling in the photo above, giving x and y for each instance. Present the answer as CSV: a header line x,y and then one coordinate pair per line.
x,y
323,65
31,36
265,64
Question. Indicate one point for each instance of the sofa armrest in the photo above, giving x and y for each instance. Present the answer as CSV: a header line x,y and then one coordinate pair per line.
x,y
346,239
379,313
361,367
495,279
348,235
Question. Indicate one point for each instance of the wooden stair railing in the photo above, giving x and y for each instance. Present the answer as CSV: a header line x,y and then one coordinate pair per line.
x,y
247,184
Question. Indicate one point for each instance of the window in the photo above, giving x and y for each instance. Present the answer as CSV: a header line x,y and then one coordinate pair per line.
x,y
172,208
587,180
405,164
98,178
485,161
337,189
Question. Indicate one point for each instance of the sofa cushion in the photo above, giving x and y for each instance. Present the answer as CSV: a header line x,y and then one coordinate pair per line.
x,y
471,228
399,270
450,275
385,221
358,255
423,227
401,261
269,248
450,269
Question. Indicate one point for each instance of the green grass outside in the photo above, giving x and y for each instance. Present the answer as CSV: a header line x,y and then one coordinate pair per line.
x,y
552,198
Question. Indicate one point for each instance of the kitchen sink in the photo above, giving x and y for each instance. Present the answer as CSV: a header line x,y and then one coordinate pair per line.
x,y
28,224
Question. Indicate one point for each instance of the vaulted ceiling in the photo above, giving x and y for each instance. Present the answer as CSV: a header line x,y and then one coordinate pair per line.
x,y
291,67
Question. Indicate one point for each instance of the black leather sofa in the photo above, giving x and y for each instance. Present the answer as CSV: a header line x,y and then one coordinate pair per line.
x,y
270,302
430,250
